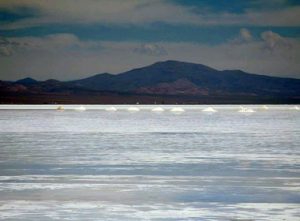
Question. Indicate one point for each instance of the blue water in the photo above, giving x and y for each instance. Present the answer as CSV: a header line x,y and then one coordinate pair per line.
x,y
122,165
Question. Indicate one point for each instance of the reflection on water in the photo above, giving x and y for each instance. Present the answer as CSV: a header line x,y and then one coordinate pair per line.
x,y
120,165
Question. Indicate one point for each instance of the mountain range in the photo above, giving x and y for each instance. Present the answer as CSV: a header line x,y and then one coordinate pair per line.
x,y
162,82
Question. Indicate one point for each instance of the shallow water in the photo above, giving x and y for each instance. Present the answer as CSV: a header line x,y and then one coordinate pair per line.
x,y
101,165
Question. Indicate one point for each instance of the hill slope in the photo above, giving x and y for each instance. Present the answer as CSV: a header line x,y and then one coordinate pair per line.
x,y
168,82
180,76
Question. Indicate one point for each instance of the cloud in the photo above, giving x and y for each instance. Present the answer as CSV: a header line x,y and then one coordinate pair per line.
x,y
48,44
7,46
244,36
5,51
273,41
64,56
279,17
151,49
121,12
141,12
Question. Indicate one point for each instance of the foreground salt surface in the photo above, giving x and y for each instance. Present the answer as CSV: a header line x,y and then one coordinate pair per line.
x,y
100,165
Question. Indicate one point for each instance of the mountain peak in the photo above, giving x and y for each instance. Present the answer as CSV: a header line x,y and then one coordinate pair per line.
x,y
102,74
182,64
27,80
171,62
51,81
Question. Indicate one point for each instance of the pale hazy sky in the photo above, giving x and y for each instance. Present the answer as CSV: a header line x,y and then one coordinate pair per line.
x,y
73,39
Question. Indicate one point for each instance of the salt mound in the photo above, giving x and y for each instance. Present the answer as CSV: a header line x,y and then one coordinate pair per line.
x,y
81,108
111,109
209,109
60,108
158,109
246,110
133,109
177,110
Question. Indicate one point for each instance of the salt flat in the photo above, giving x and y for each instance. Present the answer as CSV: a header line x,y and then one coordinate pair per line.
x,y
121,165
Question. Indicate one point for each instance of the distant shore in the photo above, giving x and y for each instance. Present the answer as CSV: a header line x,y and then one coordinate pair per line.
x,y
130,98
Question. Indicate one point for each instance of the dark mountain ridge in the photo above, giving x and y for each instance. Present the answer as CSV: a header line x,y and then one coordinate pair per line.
x,y
27,81
169,78
203,77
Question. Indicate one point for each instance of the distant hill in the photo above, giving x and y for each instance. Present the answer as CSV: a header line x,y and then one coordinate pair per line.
x,y
170,81
27,81
205,80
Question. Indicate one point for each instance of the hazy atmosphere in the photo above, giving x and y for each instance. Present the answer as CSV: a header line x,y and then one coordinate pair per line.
x,y
74,39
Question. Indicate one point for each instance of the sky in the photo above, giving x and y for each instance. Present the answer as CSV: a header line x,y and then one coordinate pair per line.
x,y
73,39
